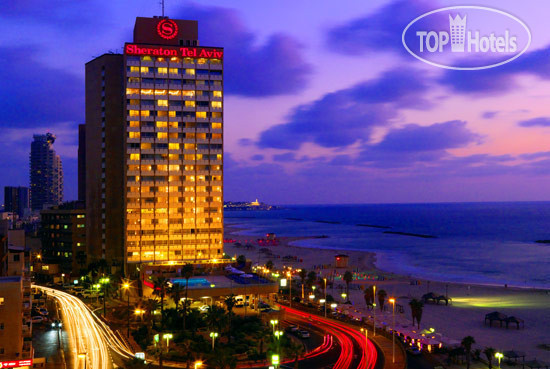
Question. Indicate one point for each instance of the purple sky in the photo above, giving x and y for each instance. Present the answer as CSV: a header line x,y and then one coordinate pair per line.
x,y
322,102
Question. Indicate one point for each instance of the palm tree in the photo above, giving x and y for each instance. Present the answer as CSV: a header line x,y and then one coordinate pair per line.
x,y
160,285
348,278
175,293
416,310
186,272
303,275
311,278
229,304
150,306
215,317
467,343
241,260
294,350
369,296
382,294
490,353
269,265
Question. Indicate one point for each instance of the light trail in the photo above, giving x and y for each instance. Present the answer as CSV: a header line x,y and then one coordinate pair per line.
x,y
87,333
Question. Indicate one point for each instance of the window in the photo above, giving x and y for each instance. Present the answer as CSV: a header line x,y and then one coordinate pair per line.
x,y
201,114
162,135
217,104
133,134
190,71
146,58
80,226
133,124
173,70
134,156
174,92
217,93
133,79
145,145
174,146
188,93
162,102
132,91
1,301
162,70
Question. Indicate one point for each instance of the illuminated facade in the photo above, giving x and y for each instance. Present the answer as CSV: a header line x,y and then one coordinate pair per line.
x,y
172,143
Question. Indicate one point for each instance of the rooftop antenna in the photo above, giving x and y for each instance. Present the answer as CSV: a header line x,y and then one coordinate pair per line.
x,y
162,4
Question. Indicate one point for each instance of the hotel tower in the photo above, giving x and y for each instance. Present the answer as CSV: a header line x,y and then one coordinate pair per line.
x,y
154,148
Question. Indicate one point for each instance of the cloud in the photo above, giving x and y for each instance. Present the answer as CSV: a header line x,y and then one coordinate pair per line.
x,y
340,118
276,67
257,157
489,114
37,94
286,157
379,31
535,122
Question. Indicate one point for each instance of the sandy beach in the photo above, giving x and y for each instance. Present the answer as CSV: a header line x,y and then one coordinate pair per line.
x,y
465,316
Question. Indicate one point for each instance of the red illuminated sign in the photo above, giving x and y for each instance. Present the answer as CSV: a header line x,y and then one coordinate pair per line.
x,y
167,29
15,364
182,52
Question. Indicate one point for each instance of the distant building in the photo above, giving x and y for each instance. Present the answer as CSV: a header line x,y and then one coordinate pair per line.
x,y
82,163
154,146
46,173
16,200
63,233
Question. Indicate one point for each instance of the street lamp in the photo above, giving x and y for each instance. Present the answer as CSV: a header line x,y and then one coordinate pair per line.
x,y
289,275
374,311
126,286
499,356
274,322
198,364
167,337
140,313
392,301
344,295
104,282
214,335
83,357
366,346
324,279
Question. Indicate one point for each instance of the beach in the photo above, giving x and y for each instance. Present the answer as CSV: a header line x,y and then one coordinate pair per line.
x,y
463,317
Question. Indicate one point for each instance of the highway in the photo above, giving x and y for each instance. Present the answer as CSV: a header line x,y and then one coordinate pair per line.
x,y
88,334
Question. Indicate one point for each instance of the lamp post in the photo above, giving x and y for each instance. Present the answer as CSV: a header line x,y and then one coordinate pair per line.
x,y
126,286
366,346
140,313
374,311
167,337
213,335
392,301
499,356
198,364
324,279
289,275
274,322
104,282
344,295
278,335
83,357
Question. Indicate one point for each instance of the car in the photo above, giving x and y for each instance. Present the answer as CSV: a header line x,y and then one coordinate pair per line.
x,y
37,319
292,329
303,333
56,324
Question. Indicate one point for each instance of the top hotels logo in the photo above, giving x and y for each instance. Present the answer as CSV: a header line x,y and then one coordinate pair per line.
x,y
167,29
466,38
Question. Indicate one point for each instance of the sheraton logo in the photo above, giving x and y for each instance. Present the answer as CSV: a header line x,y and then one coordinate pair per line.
x,y
466,37
182,52
167,29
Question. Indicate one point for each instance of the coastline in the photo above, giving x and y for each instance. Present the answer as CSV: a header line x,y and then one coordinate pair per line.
x,y
471,301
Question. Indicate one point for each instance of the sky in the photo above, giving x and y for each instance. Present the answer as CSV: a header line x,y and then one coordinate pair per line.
x,y
322,105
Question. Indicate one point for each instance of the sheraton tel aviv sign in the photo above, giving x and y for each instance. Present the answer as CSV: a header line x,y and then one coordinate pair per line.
x,y
182,52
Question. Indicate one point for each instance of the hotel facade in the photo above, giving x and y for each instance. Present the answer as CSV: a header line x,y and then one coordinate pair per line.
x,y
154,148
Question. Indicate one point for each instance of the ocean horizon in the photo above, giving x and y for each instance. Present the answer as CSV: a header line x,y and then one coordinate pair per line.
x,y
474,242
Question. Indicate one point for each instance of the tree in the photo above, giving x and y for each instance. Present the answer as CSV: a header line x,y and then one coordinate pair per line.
x,y
269,265
241,260
230,304
150,305
294,351
311,278
416,310
160,285
186,272
348,278
368,295
303,275
490,354
215,318
382,294
467,343
175,293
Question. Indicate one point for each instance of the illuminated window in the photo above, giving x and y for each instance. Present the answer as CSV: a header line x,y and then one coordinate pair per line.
x,y
133,135
217,93
145,145
189,60
216,125
81,216
217,104
146,58
134,113
174,92
146,92
162,124
160,92
174,167
189,103
174,146
144,113
173,156
134,156
134,101
162,70
189,146
161,59
132,91
163,102
162,113
188,157
202,61
190,71
162,135
173,70
216,115
172,113
201,114
173,124
174,59
144,69
215,61
80,226
133,79
134,69
133,124
162,168
216,136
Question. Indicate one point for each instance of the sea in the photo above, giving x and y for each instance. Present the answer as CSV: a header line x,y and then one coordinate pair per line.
x,y
481,243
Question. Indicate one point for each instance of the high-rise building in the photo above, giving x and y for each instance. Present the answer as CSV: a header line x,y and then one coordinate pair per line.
x,y
154,148
46,173
16,200
82,162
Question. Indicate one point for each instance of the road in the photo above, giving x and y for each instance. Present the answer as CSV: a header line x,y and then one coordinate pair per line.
x,y
343,347
88,334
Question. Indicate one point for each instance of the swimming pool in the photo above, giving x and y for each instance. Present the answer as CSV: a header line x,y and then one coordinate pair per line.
x,y
193,282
